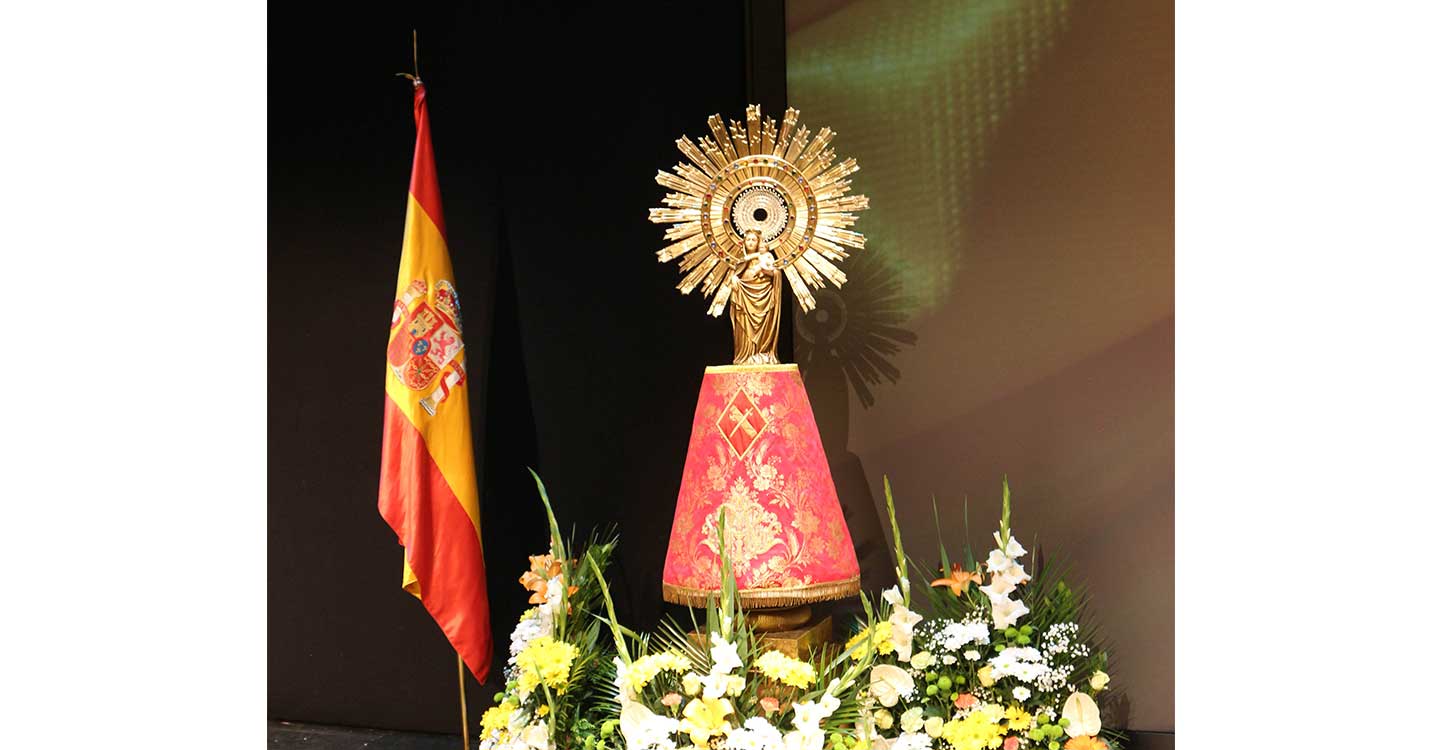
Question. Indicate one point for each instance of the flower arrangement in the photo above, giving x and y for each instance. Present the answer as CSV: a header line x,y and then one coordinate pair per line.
x,y
557,656
730,691
1005,664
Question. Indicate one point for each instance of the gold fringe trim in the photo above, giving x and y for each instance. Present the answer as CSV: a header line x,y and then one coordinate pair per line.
x,y
725,369
766,598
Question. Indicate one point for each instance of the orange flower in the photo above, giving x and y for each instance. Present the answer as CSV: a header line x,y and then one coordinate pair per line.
x,y
536,580
1011,743
965,700
545,565
958,580
671,699
1086,743
770,703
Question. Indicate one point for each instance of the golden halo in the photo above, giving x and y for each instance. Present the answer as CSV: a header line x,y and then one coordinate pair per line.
x,y
757,177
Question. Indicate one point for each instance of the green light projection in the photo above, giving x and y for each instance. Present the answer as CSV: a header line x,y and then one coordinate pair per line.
x,y
917,92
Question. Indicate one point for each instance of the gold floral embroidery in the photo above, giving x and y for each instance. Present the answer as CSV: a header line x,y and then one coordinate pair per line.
x,y
750,530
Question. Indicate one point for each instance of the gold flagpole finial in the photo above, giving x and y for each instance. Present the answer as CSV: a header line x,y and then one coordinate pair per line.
x,y
415,57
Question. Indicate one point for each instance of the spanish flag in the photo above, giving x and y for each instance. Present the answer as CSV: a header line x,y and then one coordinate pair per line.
x,y
428,493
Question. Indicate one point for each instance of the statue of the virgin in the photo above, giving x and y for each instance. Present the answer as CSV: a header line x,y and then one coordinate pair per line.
x,y
755,304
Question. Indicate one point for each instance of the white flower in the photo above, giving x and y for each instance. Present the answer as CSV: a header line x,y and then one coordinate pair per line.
x,y
622,682
909,741
972,655
912,720
554,596
902,627
947,660
1083,714
1099,680
1012,576
1013,549
1021,693
536,736
805,739
690,683
1025,664
884,719
724,657
809,714
933,725
889,682
757,734
998,560
922,660
715,685
525,631
1006,611
956,635
644,730
998,588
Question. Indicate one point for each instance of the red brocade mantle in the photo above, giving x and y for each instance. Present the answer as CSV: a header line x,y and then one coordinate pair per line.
x,y
755,451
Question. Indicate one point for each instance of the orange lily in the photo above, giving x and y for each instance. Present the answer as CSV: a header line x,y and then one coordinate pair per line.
x,y
536,580
958,580
1087,743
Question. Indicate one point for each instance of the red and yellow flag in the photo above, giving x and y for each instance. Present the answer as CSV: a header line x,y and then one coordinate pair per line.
x,y
428,493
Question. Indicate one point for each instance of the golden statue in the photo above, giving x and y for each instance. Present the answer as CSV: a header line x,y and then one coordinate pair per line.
x,y
755,305
753,203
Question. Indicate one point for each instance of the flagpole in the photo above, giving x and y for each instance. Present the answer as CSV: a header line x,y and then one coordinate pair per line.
x,y
464,718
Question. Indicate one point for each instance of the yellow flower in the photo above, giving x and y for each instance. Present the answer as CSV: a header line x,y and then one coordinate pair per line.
x,y
984,675
1017,720
545,660
1099,680
978,730
883,642
792,672
644,669
705,718
691,683
496,718
543,710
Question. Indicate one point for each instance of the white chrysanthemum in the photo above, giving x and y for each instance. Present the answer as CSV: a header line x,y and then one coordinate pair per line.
x,y
1025,664
956,635
756,734
911,741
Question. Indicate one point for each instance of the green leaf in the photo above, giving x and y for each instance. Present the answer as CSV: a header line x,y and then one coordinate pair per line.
x,y
1004,512
944,557
902,569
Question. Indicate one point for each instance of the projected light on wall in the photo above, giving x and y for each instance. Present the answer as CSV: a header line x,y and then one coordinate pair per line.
x,y
918,91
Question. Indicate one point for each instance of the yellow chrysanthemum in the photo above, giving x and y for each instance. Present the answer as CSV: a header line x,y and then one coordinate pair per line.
x,y
792,672
1018,720
883,643
545,660
644,669
496,718
979,730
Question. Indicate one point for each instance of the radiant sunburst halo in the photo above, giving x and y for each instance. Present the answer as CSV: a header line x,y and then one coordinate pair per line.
x,y
777,182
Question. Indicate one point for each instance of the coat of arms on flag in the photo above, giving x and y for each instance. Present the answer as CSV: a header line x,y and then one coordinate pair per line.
x,y
424,341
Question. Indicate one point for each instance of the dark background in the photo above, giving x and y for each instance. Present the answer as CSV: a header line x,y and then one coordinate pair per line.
x,y
1048,356
549,121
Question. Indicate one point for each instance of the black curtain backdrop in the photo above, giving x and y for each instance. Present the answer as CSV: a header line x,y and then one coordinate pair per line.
x,y
549,122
